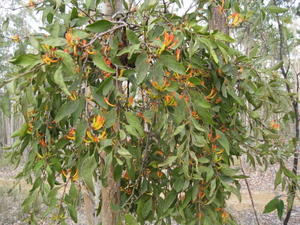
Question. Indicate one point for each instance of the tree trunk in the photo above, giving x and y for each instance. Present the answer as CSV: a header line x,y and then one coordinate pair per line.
x,y
110,194
218,20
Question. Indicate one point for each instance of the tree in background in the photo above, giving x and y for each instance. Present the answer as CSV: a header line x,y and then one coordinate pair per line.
x,y
141,111
15,30
269,35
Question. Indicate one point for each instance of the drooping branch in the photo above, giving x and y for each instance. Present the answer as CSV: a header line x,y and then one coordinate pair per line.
x,y
295,104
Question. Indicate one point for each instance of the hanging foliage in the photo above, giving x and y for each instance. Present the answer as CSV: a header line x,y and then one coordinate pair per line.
x,y
171,104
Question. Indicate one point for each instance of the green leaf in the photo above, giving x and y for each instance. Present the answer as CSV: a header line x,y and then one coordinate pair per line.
x,y
59,80
223,141
276,9
131,130
86,171
130,220
130,50
274,204
223,37
67,109
55,42
79,34
67,61
5,104
142,67
133,39
147,208
169,161
100,63
124,152
134,122
203,160
99,26
80,132
179,129
26,60
169,200
170,62
21,131
73,212
89,3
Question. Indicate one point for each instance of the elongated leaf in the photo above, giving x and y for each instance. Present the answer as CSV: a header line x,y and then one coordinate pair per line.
x,y
55,42
223,141
142,67
67,61
169,161
21,131
26,60
73,212
276,9
171,63
99,26
59,80
130,220
86,171
179,129
100,63
80,132
67,109
134,122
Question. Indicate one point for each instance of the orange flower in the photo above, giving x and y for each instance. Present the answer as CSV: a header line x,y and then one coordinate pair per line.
x,y
98,122
159,174
170,101
90,137
108,103
31,4
108,62
48,59
275,126
75,176
162,87
125,175
225,215
69,38
30,128
201,195
236,18
130,101
71,134
178,54
15,38
42,142
159,153
73,96
168,39
218,100
212,94
195,115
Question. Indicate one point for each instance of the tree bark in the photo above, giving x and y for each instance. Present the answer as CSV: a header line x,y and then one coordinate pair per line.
x,y
218,20
110,194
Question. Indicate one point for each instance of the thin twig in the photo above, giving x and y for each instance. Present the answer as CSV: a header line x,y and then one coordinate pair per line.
x,y
4,82
250,194
103,33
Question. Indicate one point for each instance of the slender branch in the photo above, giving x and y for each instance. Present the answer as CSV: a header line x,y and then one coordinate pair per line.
x,y
165,6
103,33
4,82
250,194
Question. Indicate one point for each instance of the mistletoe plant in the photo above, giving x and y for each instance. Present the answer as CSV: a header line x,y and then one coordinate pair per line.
x,y
149,101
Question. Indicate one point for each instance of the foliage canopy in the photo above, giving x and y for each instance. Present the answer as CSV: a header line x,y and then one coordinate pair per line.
x,y
168,104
